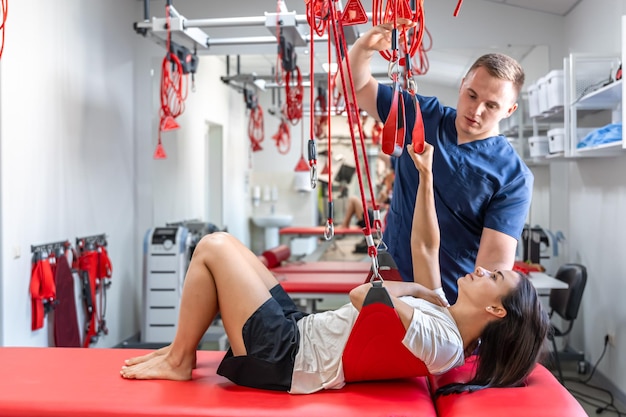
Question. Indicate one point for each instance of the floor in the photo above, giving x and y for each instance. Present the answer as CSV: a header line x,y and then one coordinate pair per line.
x,y
590,398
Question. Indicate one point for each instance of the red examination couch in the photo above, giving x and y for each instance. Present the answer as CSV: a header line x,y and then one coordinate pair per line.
x,y
73,382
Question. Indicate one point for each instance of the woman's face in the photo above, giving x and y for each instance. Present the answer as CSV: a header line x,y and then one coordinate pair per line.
x,y
486,288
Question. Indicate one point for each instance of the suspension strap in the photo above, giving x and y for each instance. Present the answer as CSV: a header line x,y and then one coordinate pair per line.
x,y
417,134
393,129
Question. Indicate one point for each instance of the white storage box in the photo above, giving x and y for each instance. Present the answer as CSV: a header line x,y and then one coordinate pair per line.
x,y
533,100
555,90
542,86
556,140
538,146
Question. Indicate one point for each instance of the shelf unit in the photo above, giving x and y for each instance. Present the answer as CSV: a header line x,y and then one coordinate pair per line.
x,y
594,99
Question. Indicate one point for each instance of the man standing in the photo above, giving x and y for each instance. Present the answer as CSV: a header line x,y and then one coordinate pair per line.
x,y
482,187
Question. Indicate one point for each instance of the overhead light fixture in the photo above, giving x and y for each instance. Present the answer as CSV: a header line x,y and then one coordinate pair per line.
x,y
330,68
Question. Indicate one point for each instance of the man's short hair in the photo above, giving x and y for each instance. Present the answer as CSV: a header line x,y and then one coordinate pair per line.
x,y
503,67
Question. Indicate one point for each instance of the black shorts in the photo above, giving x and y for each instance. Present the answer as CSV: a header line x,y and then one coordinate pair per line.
x,y
271,339
370,214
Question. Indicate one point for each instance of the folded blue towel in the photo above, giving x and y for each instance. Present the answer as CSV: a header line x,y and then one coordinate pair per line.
x,y
607,134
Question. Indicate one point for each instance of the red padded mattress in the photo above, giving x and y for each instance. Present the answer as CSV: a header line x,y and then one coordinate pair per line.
x,y
335,283
74,382
324,267
543,396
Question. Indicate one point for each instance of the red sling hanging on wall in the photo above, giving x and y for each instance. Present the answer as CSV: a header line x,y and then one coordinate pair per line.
x,y
42,289
66,332
94,267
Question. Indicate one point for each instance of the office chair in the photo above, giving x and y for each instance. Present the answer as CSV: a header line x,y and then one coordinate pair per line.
x,y
566,303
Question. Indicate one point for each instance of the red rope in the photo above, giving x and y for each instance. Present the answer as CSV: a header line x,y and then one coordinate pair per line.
x,y
283,138
294,94
353,119
4,10
173,91
411,35
317,14
256,131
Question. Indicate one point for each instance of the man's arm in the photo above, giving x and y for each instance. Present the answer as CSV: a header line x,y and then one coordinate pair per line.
x,y
360,55
496,250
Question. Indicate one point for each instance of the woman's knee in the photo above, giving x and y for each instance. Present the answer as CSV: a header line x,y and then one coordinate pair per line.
x,y
213,244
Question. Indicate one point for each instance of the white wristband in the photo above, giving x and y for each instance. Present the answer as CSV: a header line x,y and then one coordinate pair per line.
x,y
442,295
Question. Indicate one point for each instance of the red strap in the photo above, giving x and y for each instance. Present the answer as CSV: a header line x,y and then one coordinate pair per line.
x,y
256,131
418,135
88,261
42,287
393,129
374,350
105,269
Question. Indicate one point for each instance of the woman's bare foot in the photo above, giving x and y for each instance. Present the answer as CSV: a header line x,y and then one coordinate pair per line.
x,y
148,356
159,352
158,367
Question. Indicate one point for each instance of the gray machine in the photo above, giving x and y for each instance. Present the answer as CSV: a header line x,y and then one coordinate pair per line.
x,y
166,259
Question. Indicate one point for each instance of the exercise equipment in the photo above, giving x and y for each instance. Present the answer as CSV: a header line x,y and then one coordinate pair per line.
x,y
166,259
95,270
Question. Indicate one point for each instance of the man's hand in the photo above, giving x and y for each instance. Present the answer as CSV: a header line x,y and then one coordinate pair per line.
x,y
431,296
378,38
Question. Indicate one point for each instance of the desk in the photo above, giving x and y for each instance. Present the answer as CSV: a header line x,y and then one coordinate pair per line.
x,y
543,282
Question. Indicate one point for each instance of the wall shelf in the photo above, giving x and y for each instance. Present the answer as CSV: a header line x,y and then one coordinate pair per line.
x,y
606,149
586,71
607,96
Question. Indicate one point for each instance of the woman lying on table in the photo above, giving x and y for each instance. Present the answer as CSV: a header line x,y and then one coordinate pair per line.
x,y
275,346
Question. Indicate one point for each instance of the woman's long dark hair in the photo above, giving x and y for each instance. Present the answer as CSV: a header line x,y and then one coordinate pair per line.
x,y
509,347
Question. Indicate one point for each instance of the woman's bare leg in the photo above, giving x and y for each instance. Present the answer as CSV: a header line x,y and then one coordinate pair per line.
x,y
223,275
354,208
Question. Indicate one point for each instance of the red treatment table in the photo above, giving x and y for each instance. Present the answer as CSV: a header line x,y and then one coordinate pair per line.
x,y
324,267
74,382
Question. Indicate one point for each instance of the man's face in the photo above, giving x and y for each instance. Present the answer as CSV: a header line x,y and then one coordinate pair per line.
x,y
483,101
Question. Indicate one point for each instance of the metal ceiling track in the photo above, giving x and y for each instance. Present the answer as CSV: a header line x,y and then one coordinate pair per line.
x,y
188,32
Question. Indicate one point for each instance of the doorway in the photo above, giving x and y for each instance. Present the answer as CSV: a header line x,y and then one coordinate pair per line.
x,y
214,195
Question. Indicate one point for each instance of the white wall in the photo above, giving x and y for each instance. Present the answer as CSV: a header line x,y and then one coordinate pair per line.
x,y
66,166
593,207
79,119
